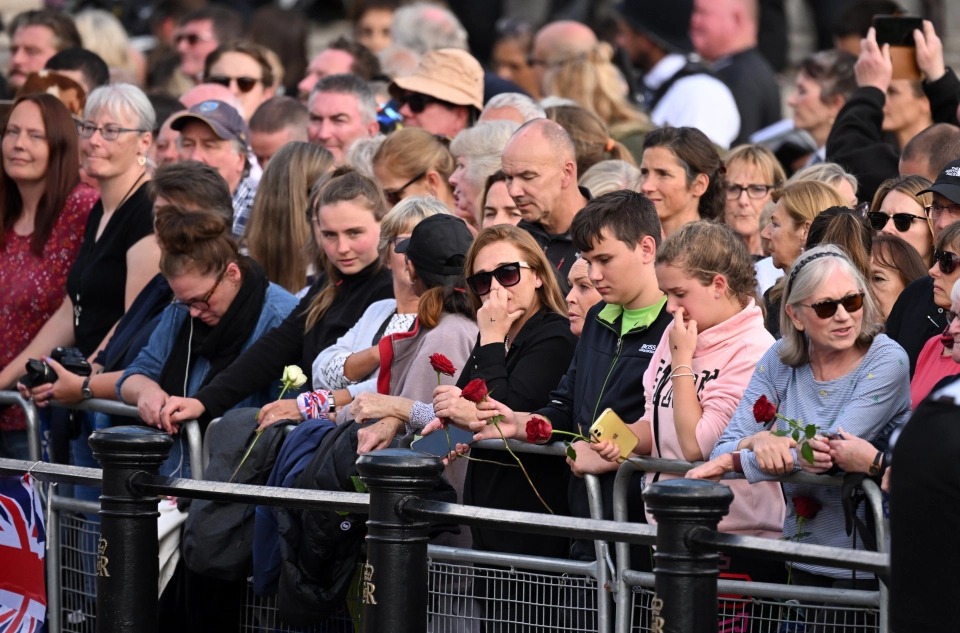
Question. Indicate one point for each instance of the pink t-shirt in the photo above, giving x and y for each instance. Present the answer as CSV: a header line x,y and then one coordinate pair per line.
x,y
932,366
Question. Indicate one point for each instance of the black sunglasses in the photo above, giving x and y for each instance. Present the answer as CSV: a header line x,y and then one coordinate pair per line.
x,y
393,196
826,309
946,260
902,221
418,102
245,84
506,275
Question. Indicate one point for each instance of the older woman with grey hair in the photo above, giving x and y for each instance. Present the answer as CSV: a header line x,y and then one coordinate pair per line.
x,y
477,150
832,174
610,175
832,368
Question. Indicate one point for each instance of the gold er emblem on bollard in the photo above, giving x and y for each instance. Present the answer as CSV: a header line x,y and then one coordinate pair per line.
x,y
368,587
102,560
658,623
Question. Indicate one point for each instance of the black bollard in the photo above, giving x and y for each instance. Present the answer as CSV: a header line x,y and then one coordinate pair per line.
x,y
127,551
686,577
394,581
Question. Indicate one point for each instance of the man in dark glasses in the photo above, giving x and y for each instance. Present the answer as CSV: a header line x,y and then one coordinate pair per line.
x,y
541,169
342,109
444,95
915,317
200,32
213,133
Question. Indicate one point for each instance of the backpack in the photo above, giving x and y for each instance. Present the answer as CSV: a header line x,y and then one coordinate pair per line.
x,y
218,535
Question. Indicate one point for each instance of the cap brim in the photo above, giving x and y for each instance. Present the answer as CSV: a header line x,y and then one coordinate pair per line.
x,y
181,119
951,192
402,246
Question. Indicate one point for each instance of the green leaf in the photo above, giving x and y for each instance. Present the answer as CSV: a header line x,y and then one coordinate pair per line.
x,y
807,452
358,485
795,435
571,453
810,431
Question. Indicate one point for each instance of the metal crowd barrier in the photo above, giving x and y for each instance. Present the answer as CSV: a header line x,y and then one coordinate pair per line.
x,y
751,605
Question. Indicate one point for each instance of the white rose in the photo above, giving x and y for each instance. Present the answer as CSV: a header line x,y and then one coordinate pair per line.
x,y
293,377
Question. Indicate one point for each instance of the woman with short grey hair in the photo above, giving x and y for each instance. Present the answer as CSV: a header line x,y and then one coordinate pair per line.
x,y
477,150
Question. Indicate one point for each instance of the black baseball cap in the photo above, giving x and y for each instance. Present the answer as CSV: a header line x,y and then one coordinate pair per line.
x,y
947,183
438,245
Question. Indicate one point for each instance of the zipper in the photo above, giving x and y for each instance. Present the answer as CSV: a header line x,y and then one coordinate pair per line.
x,y
606,379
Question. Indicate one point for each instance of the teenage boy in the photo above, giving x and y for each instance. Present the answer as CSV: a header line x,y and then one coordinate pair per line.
x,y
617,234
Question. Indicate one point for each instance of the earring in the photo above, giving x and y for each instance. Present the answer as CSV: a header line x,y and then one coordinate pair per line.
x,y
141,160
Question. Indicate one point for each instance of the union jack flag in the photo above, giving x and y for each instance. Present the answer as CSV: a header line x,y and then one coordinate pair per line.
x,y
23,598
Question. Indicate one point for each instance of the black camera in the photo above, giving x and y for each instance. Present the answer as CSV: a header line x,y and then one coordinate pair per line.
x,y
40,373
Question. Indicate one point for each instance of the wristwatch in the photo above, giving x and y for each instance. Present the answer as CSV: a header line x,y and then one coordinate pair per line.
x,y
85,389
332,409
877,464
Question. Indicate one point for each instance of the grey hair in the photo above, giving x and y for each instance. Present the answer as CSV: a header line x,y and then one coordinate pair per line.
x,y
405,215
829,173
360,154
482,144
610,175
424,26
347,83
810,271
121,99
524,105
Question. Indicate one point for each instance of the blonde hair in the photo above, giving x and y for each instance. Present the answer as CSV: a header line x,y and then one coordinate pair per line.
x,y
412,151
759,157
805,199
278,233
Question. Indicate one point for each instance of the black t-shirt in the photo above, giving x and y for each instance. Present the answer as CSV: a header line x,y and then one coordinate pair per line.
x,y
915,318
97,282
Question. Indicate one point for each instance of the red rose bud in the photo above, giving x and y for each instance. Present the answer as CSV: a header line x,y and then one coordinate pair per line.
x,y
442,365
763,410
538,430
806,507
475,391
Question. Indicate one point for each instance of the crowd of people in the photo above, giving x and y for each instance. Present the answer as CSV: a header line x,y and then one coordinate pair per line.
x,y
583,221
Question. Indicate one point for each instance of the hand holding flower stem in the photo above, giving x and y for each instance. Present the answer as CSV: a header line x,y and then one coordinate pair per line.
x,y
765,412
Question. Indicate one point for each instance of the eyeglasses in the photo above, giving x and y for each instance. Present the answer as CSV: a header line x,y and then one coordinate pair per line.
x,y
946,260
394,196
244,84
754,192
506,275
902,221
203,304
108,132
826,309
936,209
418,102
192,39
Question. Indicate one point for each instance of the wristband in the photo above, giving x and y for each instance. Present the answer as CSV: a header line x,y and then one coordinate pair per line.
x,y
737,464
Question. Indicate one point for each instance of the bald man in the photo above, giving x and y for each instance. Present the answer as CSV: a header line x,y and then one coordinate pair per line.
x,y
724,33
541,168
557,41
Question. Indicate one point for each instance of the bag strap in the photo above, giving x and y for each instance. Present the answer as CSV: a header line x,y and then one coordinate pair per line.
x,y
657,392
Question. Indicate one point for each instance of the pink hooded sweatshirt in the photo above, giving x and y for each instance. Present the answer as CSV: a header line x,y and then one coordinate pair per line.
x,y
723,361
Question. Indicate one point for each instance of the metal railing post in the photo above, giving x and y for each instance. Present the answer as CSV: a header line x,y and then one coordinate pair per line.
x,y
127,550
686,574
394,580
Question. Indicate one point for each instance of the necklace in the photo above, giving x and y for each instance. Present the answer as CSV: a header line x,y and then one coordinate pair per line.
x,y
130,190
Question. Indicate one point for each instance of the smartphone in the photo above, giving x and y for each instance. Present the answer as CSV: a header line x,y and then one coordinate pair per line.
x,y
438,445
897,31
609,426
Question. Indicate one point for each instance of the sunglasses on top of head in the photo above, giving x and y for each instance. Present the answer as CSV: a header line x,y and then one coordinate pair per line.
x,y
902,221
245,84
506,275
946,260
826,309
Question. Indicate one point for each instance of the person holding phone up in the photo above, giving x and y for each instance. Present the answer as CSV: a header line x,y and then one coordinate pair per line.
x,y
700,370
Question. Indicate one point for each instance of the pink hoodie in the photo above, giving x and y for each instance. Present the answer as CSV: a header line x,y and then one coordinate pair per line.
x,y
724,361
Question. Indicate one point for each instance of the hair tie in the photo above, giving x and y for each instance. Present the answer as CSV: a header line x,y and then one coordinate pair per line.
x,y
610,145
462,291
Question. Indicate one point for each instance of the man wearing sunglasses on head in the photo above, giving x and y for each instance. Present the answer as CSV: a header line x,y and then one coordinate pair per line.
x,y
541,168
444,95
213,133
916,317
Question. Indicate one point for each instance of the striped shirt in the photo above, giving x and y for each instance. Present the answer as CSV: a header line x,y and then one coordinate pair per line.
x,y
869,402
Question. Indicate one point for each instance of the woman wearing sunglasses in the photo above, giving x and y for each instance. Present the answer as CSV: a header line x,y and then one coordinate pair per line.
x,y
700,368
834,369
934,362
413,162
347,209
243,68
897,209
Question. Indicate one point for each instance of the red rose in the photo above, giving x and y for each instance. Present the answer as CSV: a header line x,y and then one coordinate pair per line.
x,y
764,411
442,365
538,430
475,391
806,507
